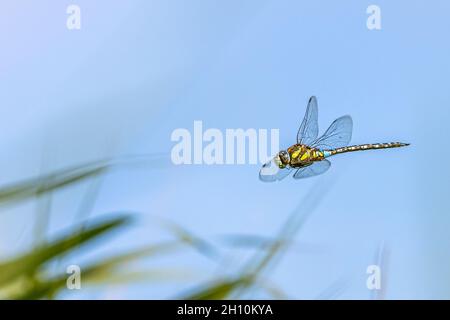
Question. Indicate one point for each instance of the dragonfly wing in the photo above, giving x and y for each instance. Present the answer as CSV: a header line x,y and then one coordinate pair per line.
x,y
270,172
313,170
337,135
309,129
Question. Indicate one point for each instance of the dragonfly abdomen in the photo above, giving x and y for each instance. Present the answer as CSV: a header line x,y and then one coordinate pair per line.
x,y
361,147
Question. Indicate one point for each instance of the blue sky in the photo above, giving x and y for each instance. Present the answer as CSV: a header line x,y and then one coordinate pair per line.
x,y
137,70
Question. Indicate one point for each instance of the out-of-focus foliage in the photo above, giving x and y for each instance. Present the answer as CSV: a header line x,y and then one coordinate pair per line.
x,y
31,276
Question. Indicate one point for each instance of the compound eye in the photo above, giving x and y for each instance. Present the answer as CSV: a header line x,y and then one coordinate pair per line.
x,y
284,157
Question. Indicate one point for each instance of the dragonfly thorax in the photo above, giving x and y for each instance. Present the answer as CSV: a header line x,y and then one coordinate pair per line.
x,y
301,155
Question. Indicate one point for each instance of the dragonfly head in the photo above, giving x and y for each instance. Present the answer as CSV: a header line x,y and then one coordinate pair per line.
x,y
282,159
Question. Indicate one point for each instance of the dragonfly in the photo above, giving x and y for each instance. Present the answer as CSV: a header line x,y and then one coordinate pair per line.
x,y
308,157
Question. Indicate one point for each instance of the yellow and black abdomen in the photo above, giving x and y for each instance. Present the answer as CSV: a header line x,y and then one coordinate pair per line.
x,y
361,147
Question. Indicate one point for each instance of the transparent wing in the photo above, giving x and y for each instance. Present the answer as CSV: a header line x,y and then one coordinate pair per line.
x,y
313,170
309,129
270,172
337,135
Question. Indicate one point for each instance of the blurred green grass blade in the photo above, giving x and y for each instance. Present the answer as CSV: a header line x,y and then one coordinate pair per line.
x,y
110,277
106,272
23,190
39,290
29,263
289,229
50,288
260,262
42,218
246,241
139,253
274,291
120,260
258,242
203,246
28,188
217,290
223,289
334,290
